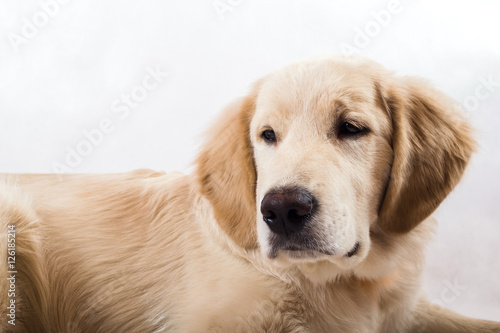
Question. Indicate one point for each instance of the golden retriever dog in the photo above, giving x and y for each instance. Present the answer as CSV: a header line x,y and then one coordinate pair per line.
x,y
308,211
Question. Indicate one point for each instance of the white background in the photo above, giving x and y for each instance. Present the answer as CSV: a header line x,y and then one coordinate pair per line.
x,y
62,78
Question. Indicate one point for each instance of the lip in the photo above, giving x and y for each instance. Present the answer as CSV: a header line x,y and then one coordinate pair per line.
x,y
304,253
297,249
295,252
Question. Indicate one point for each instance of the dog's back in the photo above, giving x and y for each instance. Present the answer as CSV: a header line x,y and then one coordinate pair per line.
x,y
23,276
106,248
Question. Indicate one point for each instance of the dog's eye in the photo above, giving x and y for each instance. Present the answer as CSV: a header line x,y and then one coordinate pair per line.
x,y
350,128
269,136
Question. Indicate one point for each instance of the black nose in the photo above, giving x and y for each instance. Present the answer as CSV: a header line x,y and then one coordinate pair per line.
x,y
286,210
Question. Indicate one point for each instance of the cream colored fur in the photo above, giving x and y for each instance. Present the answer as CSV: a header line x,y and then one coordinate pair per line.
x,y
154,252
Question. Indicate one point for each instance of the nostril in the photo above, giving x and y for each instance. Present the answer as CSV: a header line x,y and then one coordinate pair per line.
x,y
269,216
295,217
303,207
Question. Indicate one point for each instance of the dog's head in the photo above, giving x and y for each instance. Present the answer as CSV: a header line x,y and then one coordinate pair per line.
x,y
323,152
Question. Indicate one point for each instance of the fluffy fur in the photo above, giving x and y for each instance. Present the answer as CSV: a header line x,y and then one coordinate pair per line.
x,y
154,252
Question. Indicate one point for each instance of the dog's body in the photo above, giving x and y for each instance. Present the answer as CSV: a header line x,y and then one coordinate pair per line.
x,y
308,212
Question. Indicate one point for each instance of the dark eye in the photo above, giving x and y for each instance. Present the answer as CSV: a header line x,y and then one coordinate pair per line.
x,y
349,128
269,136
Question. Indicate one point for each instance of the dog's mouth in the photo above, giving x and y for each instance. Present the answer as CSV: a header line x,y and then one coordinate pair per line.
x,y
301,255
302,252
354,250
298,252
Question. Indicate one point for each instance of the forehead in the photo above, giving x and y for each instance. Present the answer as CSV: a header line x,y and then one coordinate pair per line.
x,y
319,90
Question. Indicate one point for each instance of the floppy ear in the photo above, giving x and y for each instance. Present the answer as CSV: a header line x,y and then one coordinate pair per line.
x,y
432,145
226,173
